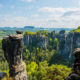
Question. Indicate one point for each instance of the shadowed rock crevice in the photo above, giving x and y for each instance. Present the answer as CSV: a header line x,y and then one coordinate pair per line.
x,y
13,47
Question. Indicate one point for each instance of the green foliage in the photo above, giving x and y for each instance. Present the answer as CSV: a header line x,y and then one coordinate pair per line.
x,y
37,55
31,71
45,72
56,44
6,32
44,32
29,33
59,72
58,59
78,27
76,30
41,64
3,63
50,39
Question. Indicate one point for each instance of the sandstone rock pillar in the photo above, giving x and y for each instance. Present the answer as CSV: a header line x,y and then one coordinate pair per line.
x,y
13,47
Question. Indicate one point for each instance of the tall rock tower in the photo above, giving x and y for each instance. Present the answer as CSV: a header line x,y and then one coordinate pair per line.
x,y
13,47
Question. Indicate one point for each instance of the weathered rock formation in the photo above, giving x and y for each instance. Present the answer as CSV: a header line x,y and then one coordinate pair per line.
x,y
34,40
67,42
75,75
13,47
62,38
72,42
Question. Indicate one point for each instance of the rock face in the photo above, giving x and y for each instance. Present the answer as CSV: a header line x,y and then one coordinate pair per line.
x,y
72,42
68,48
62,40
35,40
75,75
13,47
68,43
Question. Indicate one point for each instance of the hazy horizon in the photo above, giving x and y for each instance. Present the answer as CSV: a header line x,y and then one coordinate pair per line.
x,y
38,13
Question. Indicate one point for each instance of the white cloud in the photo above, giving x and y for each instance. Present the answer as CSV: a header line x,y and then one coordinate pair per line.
x,y
12,21
53,17
35,15
53,10
62,17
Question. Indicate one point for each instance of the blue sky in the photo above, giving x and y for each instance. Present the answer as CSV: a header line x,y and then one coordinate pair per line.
x,y
40,13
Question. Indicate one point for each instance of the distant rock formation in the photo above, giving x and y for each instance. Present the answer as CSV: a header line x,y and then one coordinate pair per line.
x,y
67,42
75,75
13,47
62,39
71,43
35,40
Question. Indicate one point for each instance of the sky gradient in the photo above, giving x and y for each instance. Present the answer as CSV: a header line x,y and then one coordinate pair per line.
x,y
40,13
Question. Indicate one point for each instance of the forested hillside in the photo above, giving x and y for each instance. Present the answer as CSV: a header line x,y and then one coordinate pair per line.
x,y
44,54
42,57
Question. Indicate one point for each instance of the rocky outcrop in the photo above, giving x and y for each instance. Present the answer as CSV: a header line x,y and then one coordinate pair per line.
x,y
68,43
72,42
75,75
13,47
62,40
34,40
68,48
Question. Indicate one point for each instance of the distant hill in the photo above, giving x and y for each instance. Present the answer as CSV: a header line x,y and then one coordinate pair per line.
x,y
34,29
29,27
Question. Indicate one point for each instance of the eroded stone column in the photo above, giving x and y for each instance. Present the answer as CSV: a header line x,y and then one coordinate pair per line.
x,y
13,47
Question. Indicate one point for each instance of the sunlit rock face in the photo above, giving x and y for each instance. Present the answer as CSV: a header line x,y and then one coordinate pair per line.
x,y
13,47
75,75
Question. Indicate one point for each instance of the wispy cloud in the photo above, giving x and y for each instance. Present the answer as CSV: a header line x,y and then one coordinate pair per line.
x,y
69,13
62,17
12,21
53,10
35,15
48,17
